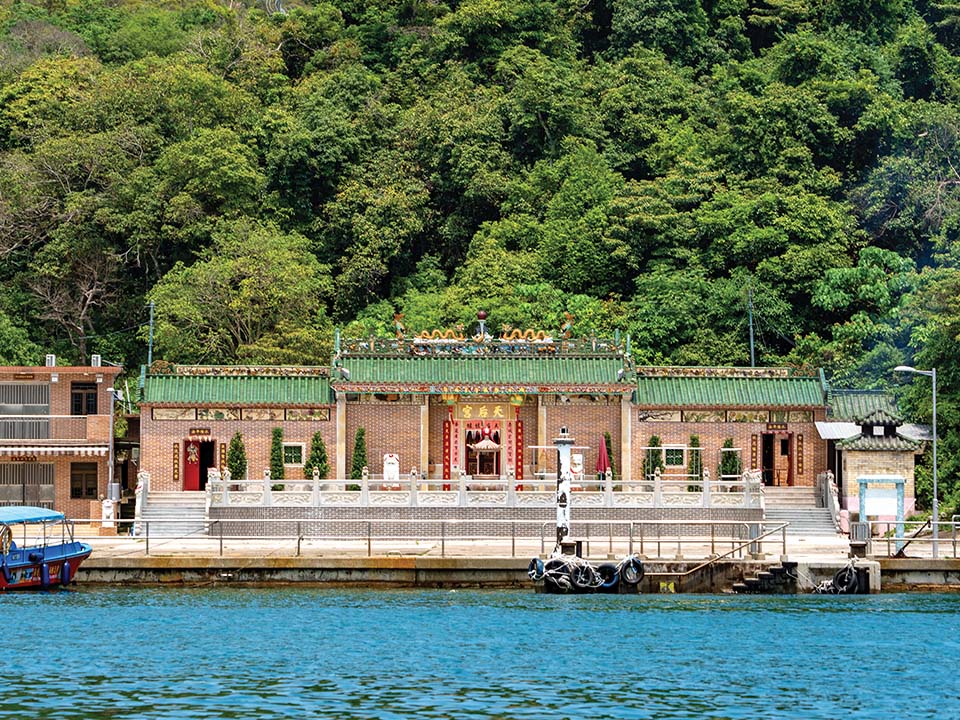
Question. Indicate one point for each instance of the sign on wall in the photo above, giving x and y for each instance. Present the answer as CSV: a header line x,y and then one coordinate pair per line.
x,y
482,411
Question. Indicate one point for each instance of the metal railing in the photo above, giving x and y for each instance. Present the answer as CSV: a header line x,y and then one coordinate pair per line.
x,y
913,537
43,427
680,539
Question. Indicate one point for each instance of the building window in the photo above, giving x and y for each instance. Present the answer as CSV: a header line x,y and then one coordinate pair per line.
x,y
292,454
83,398
673,457
83,480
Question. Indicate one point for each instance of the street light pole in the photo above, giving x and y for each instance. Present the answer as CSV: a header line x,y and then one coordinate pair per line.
x,y
932,374
936,509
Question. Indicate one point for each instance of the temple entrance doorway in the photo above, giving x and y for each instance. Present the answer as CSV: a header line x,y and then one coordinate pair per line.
x,y
198,458
483,450
777,459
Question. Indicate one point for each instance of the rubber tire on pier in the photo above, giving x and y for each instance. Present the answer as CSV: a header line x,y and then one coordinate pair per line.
x,y
583,577
609,577
557,574
846,581
535,570
631,570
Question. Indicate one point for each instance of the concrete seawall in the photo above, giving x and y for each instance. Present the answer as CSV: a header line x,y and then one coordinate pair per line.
x,y
425,572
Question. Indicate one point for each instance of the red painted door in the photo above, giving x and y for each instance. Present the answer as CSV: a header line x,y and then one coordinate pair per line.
x,y
191,465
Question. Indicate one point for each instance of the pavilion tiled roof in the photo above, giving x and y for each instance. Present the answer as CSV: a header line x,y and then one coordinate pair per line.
x,y
466,373
263,387
727,387
894,443
852,405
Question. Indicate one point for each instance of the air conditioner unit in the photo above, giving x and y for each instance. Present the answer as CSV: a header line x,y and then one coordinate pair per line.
x,y
95,361
51,360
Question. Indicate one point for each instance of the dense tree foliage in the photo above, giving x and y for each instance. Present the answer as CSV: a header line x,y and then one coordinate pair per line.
x,y
264,171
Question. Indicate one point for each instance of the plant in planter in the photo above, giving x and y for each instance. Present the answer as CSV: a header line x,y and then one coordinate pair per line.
x,y
730,464
318,458
695,465
652,458
359,457
276,458
237,458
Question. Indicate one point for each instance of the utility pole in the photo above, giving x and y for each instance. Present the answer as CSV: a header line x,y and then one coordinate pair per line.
x,y
753,360
150,343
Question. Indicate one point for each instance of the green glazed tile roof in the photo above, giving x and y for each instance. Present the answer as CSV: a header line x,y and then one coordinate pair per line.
x,y
439,374
729,391
852,405
894,443
242,390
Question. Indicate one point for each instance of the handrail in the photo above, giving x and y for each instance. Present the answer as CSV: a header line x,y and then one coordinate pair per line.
x,y
781,529
829,496
699,533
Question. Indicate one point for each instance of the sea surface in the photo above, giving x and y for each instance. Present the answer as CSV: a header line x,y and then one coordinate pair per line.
x,y
237,652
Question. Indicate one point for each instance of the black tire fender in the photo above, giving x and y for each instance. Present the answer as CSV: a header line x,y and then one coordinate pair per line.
x,y
631,570
846,581
535,569
609,575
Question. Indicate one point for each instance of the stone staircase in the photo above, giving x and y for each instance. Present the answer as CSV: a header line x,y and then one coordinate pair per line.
x,y
180,514
797,506
779,579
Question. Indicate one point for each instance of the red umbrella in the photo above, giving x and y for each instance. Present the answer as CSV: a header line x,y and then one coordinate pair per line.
x,y
603,459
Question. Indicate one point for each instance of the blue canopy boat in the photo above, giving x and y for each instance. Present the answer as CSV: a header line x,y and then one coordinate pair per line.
x,y
47,555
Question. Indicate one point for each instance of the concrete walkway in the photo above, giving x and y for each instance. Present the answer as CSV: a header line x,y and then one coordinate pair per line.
x,y
815,546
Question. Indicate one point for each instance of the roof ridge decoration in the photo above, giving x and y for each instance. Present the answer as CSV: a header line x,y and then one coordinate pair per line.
x,y
448,343
162,367
879,416
722,372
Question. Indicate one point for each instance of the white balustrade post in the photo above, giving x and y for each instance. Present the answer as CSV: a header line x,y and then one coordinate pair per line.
x,y
707,497
511,488
226,477
462,487
315,490
267,489
414,479
365,486
657,488
608,487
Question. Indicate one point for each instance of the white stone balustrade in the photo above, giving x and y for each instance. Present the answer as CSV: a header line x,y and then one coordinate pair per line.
x,y
414,491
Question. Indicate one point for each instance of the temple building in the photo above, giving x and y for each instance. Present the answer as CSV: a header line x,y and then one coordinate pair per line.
x,y
458,422
442,405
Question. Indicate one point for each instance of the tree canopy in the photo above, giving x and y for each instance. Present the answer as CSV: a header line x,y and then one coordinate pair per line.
x,y
264,171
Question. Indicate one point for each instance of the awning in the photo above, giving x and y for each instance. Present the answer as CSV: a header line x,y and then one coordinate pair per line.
x,y
916,432
837,430
34,450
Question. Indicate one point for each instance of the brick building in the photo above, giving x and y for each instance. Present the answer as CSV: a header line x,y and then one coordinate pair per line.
x,y
55,438
445,405
766,416
189,414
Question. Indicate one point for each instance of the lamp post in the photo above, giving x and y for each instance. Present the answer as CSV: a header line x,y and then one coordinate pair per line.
x,y
932,374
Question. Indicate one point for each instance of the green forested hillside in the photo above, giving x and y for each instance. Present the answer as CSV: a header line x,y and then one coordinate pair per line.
x,y
267,171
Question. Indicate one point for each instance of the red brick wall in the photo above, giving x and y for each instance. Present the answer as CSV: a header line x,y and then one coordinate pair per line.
x,y
389,428
713,435
586,423
158,436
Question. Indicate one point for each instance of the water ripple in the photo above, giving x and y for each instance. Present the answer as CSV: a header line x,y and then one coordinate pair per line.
x,y
313,653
